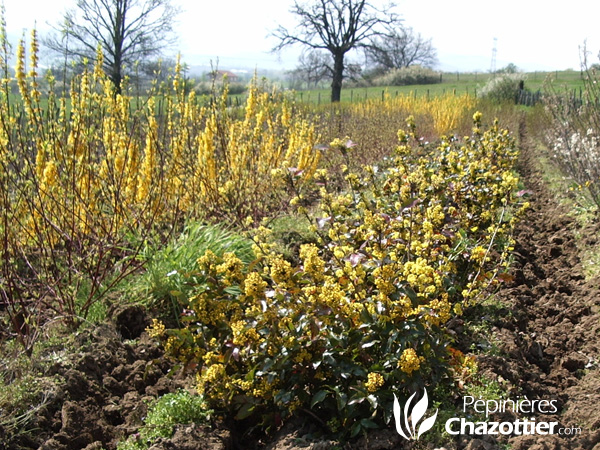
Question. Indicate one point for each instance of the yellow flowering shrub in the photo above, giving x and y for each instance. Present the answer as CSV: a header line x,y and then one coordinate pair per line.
x,y
362,314
372,125
90,176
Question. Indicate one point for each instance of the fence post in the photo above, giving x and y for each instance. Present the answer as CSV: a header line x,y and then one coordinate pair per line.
x,y
319,99
382,95
351,95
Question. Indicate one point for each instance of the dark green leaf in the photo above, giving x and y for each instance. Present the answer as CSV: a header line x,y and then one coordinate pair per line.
x,y
356,428
368,423
245,411
318,398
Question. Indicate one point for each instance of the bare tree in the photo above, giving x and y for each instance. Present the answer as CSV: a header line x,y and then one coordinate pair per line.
x,y
316,66
127,31
313,67
402,48
336,26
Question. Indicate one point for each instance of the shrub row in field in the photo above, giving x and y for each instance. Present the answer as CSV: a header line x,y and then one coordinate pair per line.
x,y
362,315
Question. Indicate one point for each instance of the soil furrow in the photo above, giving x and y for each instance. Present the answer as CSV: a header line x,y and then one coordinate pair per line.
x,y
550,345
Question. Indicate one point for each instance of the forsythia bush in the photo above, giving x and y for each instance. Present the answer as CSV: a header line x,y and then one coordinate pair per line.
x,y
363,315
373,124
446,112
88,176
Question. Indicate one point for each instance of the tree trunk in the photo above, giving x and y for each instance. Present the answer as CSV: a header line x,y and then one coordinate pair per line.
x,y
116,78
118,38
338,76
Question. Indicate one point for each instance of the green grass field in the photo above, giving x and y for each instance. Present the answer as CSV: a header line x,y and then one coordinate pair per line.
x,y
458,83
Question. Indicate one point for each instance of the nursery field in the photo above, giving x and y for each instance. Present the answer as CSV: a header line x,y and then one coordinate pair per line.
x,y
570,81
278,275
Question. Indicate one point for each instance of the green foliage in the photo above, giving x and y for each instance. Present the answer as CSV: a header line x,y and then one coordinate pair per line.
x,y
172,271
24,389
509,68
170,410
208,88
289,232
19,401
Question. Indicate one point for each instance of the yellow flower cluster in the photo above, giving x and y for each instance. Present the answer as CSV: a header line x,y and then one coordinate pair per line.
x,y
446,111
230,268
280,270
242,335
313,264
156,329
478,254
254,285
374,382
211,374
98,168
409,361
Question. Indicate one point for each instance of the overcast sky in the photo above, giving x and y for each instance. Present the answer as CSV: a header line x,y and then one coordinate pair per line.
x,y
534,35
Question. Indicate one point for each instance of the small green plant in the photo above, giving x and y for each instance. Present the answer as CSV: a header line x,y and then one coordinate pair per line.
x,y
164,414
289,233
172,271
19,402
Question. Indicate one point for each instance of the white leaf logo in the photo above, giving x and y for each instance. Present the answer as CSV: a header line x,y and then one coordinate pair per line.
x,y
416,414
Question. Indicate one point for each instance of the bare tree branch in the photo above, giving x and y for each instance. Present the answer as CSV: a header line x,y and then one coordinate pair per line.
x,y
402,47
127,31
337,26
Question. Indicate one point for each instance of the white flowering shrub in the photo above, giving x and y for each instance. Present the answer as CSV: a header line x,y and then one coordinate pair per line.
x,y
574,137
407,76
578,153
502,88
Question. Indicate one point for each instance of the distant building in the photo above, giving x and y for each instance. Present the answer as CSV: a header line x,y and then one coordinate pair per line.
x,y
219,75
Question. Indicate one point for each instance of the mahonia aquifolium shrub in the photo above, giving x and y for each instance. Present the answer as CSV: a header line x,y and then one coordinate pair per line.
x,y
363,315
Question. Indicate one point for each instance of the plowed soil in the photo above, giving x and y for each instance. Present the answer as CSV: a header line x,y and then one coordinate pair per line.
x,y
548,341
